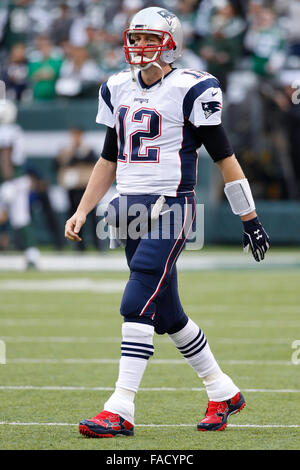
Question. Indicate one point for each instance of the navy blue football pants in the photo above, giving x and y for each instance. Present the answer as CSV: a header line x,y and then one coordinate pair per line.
x,y
151,294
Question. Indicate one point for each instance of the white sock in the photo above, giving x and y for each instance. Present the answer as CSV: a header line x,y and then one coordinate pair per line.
x,y
137,347
219,386
121,403
192,343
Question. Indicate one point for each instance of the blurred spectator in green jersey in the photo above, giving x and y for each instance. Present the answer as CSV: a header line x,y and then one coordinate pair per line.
x,y
44,69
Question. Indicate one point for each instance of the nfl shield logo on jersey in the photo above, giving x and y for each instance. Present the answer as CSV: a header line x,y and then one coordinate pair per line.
x,y
210,108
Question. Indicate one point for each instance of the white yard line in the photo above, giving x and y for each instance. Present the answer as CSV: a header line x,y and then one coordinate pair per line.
x,y
8,423
145,389
61,339
11,322
11,306
63,285
114,262
117,339
220,308
153,361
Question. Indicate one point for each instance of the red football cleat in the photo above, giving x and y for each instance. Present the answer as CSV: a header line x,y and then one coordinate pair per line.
x,y
106,424
218,412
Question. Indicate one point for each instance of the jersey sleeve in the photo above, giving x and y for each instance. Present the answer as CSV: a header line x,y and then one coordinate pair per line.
x,y
110,146
105,113
202,104
215,140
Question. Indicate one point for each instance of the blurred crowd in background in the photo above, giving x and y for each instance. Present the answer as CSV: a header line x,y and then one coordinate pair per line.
x,y
51,49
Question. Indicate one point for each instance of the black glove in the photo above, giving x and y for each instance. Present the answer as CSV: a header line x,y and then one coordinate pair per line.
x,y
256,237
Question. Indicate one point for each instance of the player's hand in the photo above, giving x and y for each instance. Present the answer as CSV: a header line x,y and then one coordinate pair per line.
x,y
255,237
73,227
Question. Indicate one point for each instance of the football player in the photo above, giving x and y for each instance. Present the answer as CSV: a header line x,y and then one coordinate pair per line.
x,y
157,116
15,184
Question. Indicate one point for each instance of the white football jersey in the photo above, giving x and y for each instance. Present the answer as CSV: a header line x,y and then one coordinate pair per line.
x,y
156,142
11,135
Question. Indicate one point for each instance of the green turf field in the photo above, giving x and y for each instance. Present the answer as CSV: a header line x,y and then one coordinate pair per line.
x,y
63,347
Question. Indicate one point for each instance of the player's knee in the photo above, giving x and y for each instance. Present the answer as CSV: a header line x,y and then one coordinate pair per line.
x,y
170,323
128,305
135,298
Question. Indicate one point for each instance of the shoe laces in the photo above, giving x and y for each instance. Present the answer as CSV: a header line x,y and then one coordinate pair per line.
x,y
111,417
216,408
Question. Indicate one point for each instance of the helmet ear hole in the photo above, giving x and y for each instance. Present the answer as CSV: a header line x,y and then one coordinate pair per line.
x,y
171,45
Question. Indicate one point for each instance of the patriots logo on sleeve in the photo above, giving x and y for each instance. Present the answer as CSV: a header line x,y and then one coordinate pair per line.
x,y
210,108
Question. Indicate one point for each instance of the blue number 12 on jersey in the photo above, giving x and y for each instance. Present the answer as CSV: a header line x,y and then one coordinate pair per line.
x,y
147,125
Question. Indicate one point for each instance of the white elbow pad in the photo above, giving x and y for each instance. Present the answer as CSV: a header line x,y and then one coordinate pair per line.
x,y
240,198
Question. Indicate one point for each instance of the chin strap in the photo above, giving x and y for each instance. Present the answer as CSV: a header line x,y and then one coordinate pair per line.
x,y
144,67
162,72
133,83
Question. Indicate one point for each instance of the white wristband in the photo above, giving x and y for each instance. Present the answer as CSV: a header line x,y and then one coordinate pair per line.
x,y
240,197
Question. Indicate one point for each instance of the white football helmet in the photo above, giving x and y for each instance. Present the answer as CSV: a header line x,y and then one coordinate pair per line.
x,y
159,21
